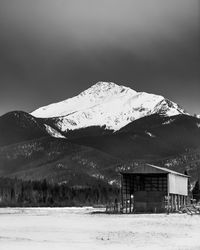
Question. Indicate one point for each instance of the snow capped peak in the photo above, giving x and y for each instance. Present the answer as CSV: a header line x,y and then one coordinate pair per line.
x,y
100,92
103,86
106,104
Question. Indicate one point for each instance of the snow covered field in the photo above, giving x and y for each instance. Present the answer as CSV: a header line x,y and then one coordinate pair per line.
x,y
77,228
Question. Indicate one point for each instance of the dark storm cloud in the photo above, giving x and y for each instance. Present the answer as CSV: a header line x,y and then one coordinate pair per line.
x,y
51,50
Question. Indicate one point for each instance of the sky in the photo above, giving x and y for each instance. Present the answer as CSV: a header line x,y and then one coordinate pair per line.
x,y
51,50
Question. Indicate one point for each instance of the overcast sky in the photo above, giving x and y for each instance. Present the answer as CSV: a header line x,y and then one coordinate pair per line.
x,y
51,50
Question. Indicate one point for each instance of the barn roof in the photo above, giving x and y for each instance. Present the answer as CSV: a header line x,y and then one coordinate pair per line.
x,y
149,168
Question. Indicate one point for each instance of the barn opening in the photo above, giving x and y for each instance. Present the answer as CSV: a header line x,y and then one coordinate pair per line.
x,y
150,188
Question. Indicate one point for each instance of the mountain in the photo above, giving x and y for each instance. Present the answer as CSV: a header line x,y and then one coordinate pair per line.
x,y
94,135
18,126
83,161
57,161
148,138
106,105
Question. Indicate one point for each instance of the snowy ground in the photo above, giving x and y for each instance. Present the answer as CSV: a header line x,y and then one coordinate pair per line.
x,y
77,228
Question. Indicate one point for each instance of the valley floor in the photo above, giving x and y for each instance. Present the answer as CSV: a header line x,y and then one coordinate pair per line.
x,y
77,229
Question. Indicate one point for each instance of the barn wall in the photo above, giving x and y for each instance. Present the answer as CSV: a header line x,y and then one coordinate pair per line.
x,y
177,184
143,192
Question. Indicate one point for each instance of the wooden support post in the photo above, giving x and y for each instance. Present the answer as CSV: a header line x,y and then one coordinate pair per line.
x,y
175,202
126,195
167,193
122,198
178,196
185,200
172,203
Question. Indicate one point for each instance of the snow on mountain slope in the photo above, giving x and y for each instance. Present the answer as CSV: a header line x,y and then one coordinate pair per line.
x,y
106,104
95,95
51,131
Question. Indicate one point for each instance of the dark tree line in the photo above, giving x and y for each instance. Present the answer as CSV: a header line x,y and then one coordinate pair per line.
x,y
14,192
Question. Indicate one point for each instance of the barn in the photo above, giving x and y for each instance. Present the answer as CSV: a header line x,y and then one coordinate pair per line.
x,y
149,188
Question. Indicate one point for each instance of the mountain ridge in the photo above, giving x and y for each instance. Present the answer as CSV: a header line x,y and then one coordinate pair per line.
x,y
102,157
49,148
17,126
105,104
